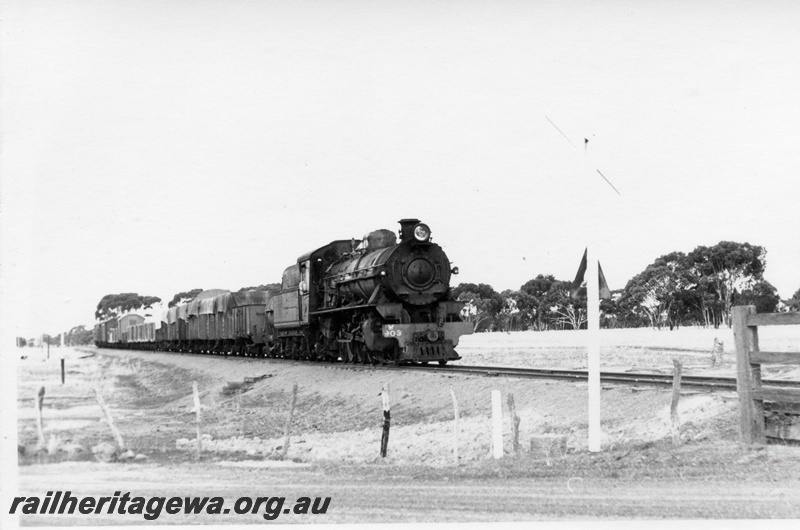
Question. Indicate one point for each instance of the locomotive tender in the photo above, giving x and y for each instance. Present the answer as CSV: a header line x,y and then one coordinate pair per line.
x,y
368,301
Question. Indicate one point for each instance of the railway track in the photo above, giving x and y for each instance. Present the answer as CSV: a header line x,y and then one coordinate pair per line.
x,y
719,383
630,378
634,378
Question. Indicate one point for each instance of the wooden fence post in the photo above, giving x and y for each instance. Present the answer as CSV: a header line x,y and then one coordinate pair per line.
x,y
287,429
716,352
110,420
40,419
62,370
497,424
512,414
748,377
676,396
455,425
196,395
387,420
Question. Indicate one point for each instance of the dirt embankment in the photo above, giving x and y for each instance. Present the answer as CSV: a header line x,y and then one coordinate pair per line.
x,y
338,410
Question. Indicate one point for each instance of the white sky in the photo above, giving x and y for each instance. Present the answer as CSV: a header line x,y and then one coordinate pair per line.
x,y
161,146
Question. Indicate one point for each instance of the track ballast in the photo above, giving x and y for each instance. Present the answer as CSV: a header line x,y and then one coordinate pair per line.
x,y
629,378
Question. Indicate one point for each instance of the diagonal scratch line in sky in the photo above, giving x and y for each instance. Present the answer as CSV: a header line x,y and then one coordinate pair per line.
x,y
609,183
562,133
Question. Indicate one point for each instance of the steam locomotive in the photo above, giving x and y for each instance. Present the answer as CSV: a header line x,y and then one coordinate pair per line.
x,y
374,300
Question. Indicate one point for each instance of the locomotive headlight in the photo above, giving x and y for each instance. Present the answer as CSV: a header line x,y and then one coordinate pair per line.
x,y
421,232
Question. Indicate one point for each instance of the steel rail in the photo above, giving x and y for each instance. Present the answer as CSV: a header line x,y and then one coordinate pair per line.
x,y
723,383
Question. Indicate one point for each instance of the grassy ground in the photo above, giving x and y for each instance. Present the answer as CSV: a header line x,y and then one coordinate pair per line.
x,y
336,430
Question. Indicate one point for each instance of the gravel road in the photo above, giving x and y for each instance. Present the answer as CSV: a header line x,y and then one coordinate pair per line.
x,y
392,495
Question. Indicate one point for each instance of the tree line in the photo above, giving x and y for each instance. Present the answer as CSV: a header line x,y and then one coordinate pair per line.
x,y
677,289
77,336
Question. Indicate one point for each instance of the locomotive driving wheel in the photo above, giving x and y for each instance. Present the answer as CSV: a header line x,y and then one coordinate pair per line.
x,y
349,355
366,357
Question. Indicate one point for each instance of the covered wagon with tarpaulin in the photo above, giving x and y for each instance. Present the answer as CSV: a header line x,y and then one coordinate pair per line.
x,y
175,319
240,323
200,325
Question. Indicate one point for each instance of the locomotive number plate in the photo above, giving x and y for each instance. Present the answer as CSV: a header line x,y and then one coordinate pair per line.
x,y
389,331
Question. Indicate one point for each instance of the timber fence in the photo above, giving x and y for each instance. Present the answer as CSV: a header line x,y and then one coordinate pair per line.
x,y
763,410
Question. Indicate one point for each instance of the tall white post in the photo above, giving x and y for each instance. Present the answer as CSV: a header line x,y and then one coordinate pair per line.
x,y
593,316
497,424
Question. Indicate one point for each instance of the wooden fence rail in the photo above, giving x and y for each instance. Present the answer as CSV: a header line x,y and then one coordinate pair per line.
x,y
752,396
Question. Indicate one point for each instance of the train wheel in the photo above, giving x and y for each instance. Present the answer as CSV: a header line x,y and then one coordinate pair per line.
x,y
297,349
358,355
349,354
443,362
366,358
319,352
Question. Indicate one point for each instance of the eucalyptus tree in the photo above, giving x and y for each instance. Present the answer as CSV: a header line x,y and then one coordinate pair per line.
x,y
114,305
794,301
483,304
761,294
728,266
657,292
183,297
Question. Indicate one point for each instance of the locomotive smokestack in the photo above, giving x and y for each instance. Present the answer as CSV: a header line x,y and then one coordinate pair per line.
x,y
407,229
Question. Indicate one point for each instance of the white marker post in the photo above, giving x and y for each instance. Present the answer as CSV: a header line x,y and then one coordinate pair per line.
x,y
497,424
592,298
593,320
593,316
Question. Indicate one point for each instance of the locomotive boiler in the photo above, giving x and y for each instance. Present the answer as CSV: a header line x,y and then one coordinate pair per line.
x,y
367,301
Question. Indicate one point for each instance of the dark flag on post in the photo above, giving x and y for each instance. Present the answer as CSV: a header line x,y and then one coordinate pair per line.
x,y
605,292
